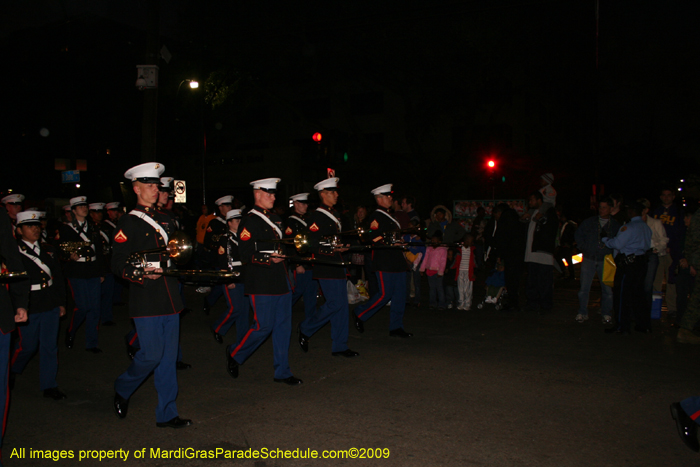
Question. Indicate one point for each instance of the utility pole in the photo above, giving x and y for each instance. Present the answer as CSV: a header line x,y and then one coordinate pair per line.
x,y
149,123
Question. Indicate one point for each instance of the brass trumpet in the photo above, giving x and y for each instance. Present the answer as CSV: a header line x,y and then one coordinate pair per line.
x,y
6,276
80,248
179,249
300,241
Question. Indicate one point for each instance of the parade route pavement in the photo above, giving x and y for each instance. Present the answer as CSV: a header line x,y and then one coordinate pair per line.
x,y
471,388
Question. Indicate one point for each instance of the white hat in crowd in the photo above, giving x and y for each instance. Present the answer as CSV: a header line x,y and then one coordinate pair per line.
x,y
266,184
149,172
327,184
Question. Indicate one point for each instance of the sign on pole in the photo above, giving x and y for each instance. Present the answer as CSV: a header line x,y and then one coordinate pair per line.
x,y
180,191
70,176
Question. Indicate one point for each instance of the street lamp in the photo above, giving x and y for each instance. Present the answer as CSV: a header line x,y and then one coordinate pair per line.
x,y
194,84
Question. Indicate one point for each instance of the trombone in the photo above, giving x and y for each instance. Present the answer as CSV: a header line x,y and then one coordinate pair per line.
x,y
179,249
300,241
305,259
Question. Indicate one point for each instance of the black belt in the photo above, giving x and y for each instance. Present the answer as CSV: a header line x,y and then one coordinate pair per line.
x,y
622,258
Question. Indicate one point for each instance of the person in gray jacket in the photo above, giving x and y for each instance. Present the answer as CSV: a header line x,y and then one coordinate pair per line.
x,y
588,239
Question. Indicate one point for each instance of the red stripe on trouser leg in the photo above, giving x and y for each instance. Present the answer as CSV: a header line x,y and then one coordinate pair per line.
x,y
250,331
381,281
230,310
19,348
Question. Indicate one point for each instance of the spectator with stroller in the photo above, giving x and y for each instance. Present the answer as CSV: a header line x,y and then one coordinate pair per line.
x,y
508,244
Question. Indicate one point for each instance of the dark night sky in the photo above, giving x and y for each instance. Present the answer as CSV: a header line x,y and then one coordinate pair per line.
x,y
631,123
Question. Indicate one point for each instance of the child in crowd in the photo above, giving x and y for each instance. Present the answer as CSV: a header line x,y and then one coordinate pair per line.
x,y
433,266
466,272
450,280
495,282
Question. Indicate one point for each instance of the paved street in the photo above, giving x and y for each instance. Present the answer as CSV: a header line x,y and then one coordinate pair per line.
x,y
481,388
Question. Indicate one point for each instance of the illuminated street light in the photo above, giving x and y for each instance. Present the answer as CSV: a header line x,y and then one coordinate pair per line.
x,y
193,84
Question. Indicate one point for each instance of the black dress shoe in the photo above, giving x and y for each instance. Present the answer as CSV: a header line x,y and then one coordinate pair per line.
x,y
109,323
303,340
217,337
616,330
359,325
231,365
176,422
94,350
639,328
400,333
292,381
346,353
121,405
69,340
182,366
206,308
185,311
687,428
54,393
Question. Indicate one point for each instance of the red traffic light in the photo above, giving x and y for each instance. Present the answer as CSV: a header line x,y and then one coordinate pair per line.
x,y
491,164
317,137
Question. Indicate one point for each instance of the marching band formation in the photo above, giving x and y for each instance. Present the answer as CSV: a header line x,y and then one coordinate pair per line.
x,y
263,262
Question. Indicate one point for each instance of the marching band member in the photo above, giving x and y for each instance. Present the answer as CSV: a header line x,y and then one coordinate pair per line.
x,y
237,305
46,305
304,285
325,222
266,283
154,303
84,273
390,267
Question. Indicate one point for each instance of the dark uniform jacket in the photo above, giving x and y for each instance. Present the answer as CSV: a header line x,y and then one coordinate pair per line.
x,y
93,266
545,235
106,235
18,294
228,257
384,259
48,296
262,276
296,224
217,227
320,226
147,297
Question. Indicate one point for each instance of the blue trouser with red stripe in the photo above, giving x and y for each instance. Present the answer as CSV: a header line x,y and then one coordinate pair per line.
x,y
236,311
159,337
41,331
273,315
307,288
691,406
132,338
334,310
86,293
392,287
